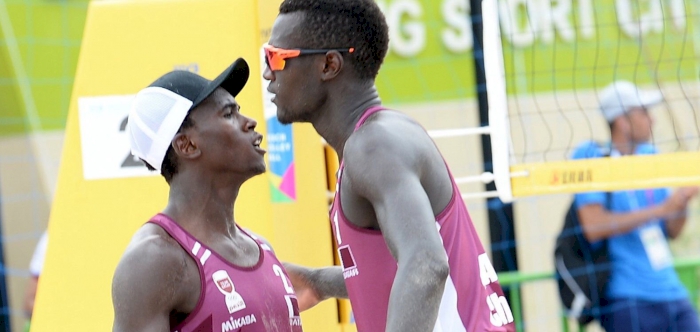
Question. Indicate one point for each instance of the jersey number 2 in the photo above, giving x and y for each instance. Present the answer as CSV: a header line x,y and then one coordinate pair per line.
x,y
290,298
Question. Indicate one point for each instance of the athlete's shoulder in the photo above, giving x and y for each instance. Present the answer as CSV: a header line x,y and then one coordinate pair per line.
x,y
386,134
153,277
152,238
383,152
151,254
390,120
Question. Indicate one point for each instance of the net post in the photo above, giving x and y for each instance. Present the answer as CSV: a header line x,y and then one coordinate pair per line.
x,y
497,99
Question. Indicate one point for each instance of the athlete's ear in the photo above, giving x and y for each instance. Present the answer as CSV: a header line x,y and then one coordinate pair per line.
x,y
332,66
184,147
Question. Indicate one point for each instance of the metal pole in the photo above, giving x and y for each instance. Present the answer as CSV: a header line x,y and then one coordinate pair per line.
x,y
501,222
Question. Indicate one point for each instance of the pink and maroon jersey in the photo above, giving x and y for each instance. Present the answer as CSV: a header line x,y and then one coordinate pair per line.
x,y
243,299
472,300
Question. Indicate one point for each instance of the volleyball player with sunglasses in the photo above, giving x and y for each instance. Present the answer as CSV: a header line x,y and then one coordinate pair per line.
x,y
411,258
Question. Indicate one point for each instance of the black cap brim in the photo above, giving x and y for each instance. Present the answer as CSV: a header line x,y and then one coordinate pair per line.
x,y
233,79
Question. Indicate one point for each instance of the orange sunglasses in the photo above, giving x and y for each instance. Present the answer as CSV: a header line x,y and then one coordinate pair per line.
x,y
275,57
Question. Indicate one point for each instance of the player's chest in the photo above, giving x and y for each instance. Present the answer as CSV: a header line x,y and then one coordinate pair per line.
x,y
250,299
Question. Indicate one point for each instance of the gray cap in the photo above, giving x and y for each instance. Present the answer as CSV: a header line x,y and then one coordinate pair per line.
x,y
618,97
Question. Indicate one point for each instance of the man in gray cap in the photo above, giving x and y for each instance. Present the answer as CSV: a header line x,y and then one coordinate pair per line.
x,y
644,292
627,111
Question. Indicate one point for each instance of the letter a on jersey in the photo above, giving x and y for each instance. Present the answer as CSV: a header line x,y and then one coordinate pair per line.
x,y
486,271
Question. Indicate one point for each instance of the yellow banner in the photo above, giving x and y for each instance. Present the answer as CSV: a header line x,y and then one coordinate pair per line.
x,y
607,174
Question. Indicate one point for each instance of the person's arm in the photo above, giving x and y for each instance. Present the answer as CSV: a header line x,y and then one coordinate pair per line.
x,y
599,223
388,176
675,223
674,226
144,287
313,286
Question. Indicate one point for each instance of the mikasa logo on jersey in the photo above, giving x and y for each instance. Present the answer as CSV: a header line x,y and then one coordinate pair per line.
x,y
234,301
236,323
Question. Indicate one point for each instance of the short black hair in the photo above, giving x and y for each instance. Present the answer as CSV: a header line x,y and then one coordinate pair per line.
x,y
169,167
345,23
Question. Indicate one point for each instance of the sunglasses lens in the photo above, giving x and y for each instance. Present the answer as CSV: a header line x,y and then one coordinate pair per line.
x,y
273,60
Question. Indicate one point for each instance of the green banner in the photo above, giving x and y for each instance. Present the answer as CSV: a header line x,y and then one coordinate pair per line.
x,y
547,45
430,51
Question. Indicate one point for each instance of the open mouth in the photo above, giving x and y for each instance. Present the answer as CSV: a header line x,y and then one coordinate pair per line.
x,y
256,145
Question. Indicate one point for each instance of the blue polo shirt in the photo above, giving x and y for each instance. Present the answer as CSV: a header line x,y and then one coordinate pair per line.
x,y
632,274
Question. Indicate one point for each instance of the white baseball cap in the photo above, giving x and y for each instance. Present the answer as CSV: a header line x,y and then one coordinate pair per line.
x,y
618,97
158,111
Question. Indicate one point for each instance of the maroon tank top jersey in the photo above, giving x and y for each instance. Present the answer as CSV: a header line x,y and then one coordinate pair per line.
x,y
259,298
472,300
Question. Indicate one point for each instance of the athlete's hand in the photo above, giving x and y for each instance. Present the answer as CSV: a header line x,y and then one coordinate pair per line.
x,y
307,296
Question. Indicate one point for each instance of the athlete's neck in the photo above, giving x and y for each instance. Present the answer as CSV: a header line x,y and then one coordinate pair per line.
x,y
337,119
203,204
